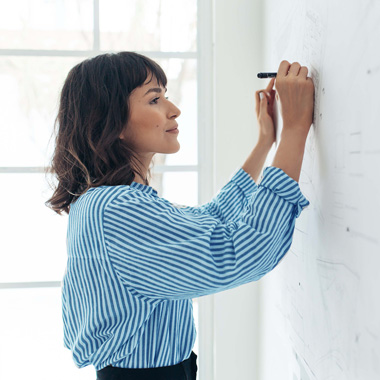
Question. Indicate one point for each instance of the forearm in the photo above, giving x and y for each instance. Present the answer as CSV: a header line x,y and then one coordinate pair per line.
x,y
290,151
255,161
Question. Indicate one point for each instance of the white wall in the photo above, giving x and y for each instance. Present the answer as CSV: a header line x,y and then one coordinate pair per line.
x,y
237,59
237,34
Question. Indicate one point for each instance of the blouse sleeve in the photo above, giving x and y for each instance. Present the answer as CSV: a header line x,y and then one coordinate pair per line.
x,y
231,200
164,252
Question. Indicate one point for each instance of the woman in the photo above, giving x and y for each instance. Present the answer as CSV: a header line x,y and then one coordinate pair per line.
x,y
135,261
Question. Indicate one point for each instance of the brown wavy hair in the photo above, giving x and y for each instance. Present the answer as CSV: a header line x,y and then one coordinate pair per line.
x,y
93,111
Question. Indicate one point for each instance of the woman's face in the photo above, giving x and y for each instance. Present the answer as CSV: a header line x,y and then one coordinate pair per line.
x,y
151,116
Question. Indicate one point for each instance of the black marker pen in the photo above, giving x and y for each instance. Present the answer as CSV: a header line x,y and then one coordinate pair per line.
x,y
266,75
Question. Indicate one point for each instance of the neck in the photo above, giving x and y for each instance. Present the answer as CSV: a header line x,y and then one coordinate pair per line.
x,y
143,165
138,179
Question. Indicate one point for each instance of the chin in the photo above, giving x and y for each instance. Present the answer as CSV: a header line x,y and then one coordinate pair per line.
x,y
174,149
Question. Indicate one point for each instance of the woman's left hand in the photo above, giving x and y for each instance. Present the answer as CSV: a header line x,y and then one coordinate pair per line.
x,y
264,113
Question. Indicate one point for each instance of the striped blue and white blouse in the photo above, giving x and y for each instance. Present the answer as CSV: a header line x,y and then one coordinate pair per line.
x,y
135,261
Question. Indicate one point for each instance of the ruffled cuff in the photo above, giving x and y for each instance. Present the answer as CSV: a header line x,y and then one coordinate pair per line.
x,y
276,180
245,182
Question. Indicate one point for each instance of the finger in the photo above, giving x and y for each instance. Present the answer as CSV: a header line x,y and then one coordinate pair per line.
x,y
270,84
263,103
303,72
294,69
257,102
272,95
260,95
283,69
311,82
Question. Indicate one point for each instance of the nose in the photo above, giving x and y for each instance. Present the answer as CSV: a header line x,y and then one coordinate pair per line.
x,y
174,111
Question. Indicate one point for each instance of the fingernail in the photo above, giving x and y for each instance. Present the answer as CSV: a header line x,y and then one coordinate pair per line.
x,y
261,95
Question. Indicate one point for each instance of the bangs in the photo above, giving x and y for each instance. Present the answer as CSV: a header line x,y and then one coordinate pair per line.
x,y
155,71
140,69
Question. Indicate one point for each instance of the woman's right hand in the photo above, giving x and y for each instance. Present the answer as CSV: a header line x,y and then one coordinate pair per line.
x,y
295,92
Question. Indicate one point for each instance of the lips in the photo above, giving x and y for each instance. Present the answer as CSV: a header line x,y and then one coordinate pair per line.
x,y
172,129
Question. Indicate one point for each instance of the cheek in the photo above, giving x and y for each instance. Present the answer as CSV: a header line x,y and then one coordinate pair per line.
x,y
131,135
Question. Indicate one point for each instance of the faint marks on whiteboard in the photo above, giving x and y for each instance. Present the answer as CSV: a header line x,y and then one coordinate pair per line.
x,y
374,70
339,289
372,334
339,217
313,37
333,363
372,151
338,210
355,154
366,349
368,238
301,369
308,165
313,53
372,341
339,152
283,41
314,74
297,324
319,211
329,269
288,29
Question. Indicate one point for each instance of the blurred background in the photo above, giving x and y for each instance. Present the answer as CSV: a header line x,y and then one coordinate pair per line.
x,y
205,50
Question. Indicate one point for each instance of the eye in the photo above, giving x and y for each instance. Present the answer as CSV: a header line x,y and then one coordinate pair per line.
x,y
154,101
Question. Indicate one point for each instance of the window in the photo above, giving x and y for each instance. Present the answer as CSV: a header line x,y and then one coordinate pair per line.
x,y
40,41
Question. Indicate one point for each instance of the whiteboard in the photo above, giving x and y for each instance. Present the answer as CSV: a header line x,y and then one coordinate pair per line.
x,y
323,300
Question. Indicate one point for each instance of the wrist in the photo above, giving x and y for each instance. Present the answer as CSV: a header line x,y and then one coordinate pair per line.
x,y
255,161
264,143
296,134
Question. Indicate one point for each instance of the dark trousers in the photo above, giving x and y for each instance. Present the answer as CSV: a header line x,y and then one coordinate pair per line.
x,y
186,370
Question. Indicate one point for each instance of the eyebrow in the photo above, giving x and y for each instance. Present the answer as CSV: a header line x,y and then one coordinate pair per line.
x,y
155,89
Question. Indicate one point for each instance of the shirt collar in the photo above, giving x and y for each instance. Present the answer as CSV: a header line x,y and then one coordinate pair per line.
x,y
145,188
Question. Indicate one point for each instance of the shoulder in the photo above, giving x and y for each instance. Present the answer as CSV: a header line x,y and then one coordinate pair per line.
x,y
98,198
146,205
104,193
